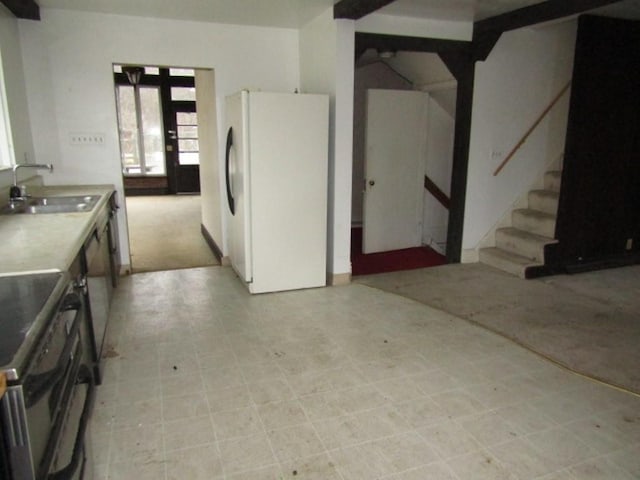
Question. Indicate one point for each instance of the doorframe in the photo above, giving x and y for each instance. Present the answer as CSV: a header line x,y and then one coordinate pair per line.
x,y
164,81
458,56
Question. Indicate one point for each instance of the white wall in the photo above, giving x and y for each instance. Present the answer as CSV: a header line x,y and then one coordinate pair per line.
x,y
16,93
68,59
211,200
523,73
440,130
326,66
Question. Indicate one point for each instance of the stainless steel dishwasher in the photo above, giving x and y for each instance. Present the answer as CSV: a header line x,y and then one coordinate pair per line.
x,y
97,269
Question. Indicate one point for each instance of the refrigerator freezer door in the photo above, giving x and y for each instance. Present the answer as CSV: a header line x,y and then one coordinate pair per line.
x,y
238,186
288,161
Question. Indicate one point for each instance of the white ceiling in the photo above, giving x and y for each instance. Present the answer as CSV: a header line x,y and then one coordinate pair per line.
x,y
294,13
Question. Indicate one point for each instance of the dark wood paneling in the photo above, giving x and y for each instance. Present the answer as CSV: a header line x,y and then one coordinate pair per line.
x,y
355,9
27,9
599,207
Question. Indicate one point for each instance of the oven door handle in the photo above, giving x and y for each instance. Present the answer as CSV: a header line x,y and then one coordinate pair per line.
x,y
71,468
36,386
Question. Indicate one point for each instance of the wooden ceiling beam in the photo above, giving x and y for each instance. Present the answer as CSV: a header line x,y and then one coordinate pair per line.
x,y
356,9
534,14
27,9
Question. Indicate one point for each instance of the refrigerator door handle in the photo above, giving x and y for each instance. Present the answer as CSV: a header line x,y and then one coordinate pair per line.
x,y
230,199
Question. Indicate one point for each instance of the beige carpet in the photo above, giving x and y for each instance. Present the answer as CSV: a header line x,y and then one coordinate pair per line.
x,y
164,233
589,323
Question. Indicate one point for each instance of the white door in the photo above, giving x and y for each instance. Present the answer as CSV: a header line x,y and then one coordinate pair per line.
x,y
395,151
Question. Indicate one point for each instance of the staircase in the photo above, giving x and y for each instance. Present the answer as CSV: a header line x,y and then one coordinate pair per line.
x,y
520,249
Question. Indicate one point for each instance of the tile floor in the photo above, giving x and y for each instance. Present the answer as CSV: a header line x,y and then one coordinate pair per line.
x,y
204,381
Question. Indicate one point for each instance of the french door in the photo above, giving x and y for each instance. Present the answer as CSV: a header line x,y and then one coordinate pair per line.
x,y
183,147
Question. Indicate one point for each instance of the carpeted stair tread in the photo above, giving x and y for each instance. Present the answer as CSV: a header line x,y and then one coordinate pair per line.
x,y
534,221
520,242
544,200
506,261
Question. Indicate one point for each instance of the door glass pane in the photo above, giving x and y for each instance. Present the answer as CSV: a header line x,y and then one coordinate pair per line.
x,y
189,158
128,125
187,118
181,72
183,93
187,131
152,131
188,145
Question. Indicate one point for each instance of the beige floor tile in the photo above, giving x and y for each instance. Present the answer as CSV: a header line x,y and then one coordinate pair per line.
x,y
188,432
230,398
246,453
295,442
266,473
458,403
134,471
480,465
181,384
319,467
198,463
184,406
270,390
599,469
421,412
449,439
405,451
281,414
561,448
351,369
140,445
146,412
236,423
488,428
433,471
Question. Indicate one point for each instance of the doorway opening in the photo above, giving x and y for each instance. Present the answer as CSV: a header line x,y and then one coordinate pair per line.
x,y
404,124
160,150
158,129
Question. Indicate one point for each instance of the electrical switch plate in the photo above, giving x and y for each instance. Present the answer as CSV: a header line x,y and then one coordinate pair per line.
x,y
629,243
86,138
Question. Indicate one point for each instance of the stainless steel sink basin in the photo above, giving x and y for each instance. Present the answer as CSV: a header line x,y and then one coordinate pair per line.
x,y
52,204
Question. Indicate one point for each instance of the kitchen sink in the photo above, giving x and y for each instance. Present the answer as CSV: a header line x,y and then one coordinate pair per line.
x,y
52,204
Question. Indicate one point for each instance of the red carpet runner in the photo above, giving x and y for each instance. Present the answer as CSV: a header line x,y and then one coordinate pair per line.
x,y
407,259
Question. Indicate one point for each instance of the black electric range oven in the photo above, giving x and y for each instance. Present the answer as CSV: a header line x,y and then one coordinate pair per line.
x,y
44,413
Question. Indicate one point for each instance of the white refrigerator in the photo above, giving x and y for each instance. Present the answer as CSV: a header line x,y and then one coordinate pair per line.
x,y
276,174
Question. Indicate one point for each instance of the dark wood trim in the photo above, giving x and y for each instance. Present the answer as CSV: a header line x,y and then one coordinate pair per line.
x,y
355,9
438,194
27,9
462,139
408,44
534,14
211,242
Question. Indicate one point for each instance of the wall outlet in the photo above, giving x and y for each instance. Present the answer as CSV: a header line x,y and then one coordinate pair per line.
x,y
95,139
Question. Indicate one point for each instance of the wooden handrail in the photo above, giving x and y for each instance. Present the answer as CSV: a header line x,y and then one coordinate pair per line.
x,y
439,195
533,127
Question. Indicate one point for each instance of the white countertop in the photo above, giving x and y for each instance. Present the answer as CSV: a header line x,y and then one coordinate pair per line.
x,y
41,242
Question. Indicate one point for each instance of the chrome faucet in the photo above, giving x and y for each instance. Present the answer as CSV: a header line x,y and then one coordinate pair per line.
x,y
14,192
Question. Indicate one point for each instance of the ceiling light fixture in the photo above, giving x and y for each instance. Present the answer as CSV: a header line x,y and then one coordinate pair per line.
x,y
134,74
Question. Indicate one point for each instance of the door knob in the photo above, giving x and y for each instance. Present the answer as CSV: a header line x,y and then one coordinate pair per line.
x,y
372,183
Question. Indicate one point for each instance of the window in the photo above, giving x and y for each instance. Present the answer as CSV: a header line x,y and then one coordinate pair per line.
x,y
7,155
188,145
140,124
